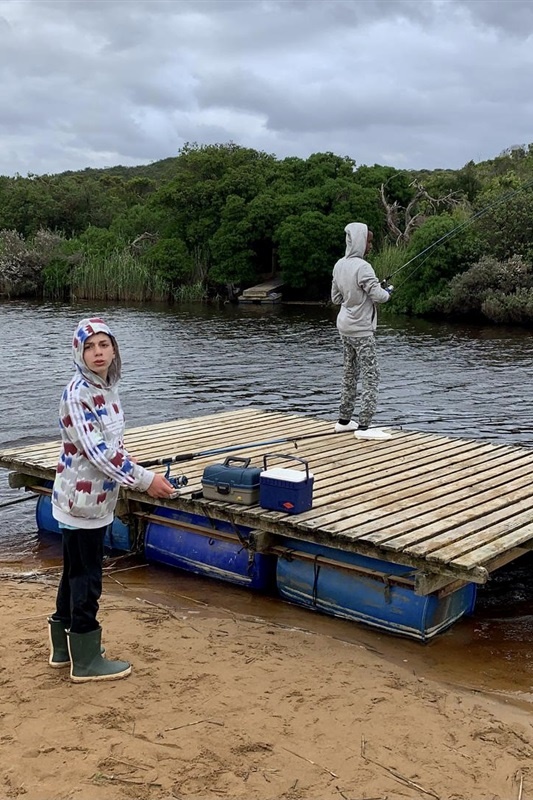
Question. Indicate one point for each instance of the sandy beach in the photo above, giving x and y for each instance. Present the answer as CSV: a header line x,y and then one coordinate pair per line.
x,y
232,706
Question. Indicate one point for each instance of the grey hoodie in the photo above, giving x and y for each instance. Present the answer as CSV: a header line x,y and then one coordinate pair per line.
x,y
93,462
355,286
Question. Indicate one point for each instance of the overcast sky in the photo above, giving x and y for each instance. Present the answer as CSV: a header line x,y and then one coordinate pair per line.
x,y
407,83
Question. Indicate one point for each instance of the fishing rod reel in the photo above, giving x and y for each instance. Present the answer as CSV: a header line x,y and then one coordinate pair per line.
x,y
178,481
387,286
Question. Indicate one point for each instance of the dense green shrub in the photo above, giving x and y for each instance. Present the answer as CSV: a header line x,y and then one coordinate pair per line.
x,y
496,290
506,217
169,259
23,261
516,308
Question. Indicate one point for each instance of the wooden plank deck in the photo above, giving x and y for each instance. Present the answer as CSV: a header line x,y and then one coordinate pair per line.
x,y
453,509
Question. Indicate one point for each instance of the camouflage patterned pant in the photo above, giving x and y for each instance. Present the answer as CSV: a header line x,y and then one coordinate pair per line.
x,y
360,363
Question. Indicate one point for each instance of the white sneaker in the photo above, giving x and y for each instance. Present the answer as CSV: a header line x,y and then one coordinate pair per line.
x,y
373,433
350,426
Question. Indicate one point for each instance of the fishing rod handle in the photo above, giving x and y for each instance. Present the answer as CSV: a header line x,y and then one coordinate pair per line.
x,y
161,462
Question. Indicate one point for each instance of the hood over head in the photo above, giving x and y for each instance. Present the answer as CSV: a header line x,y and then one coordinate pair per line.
x,y
356,239
85,328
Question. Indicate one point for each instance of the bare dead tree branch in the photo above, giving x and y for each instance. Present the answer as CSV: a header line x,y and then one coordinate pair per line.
x,y
139,242
421,206
391,210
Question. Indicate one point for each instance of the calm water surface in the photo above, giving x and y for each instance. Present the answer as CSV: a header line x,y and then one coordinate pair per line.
x,y
190,360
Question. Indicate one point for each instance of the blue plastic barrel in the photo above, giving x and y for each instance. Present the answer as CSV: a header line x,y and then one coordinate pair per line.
x,y
228,558
368,595
117,536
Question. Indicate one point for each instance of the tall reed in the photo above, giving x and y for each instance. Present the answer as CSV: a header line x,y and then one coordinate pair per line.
x,y
388,260
117,276
193,293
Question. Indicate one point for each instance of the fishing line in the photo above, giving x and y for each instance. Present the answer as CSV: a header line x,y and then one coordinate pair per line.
x,y
409,274
457,228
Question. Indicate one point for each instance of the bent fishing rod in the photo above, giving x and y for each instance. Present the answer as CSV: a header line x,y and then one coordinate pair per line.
x,y
458,228
234,448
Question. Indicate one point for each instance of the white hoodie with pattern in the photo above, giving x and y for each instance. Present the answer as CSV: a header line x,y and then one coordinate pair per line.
x,y
93,462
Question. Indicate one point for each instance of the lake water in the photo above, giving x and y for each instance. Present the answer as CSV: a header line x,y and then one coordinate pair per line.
x,y
465,380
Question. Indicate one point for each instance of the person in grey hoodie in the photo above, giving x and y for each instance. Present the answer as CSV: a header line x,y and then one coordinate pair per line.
x,y
93,464
356,288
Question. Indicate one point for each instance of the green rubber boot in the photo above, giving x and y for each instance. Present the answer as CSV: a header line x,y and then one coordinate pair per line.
x,y
87,662
59,654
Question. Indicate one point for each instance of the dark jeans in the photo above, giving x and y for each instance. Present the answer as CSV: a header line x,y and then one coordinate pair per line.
x,y
80,586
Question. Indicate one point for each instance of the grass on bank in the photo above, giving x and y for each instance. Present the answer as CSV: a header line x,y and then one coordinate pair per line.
x,y
120,276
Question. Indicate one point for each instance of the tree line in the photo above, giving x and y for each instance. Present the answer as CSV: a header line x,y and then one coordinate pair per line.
x,y
218,218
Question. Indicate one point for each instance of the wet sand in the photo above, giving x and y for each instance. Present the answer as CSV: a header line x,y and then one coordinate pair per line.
x,y
225,704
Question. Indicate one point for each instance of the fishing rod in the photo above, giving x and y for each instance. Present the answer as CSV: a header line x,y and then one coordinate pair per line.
x,y
19,500
459,227
233,448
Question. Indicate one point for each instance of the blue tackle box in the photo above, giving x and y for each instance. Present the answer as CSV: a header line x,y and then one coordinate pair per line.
x,y
234,481
288,490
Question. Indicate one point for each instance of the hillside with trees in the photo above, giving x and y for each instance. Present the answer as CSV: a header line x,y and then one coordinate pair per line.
x,y
219,218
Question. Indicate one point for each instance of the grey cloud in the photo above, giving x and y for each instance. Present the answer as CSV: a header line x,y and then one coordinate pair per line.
x,y
514,16
420,82
321,108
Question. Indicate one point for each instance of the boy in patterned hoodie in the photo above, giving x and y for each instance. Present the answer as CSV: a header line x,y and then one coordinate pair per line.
x,y
92,466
